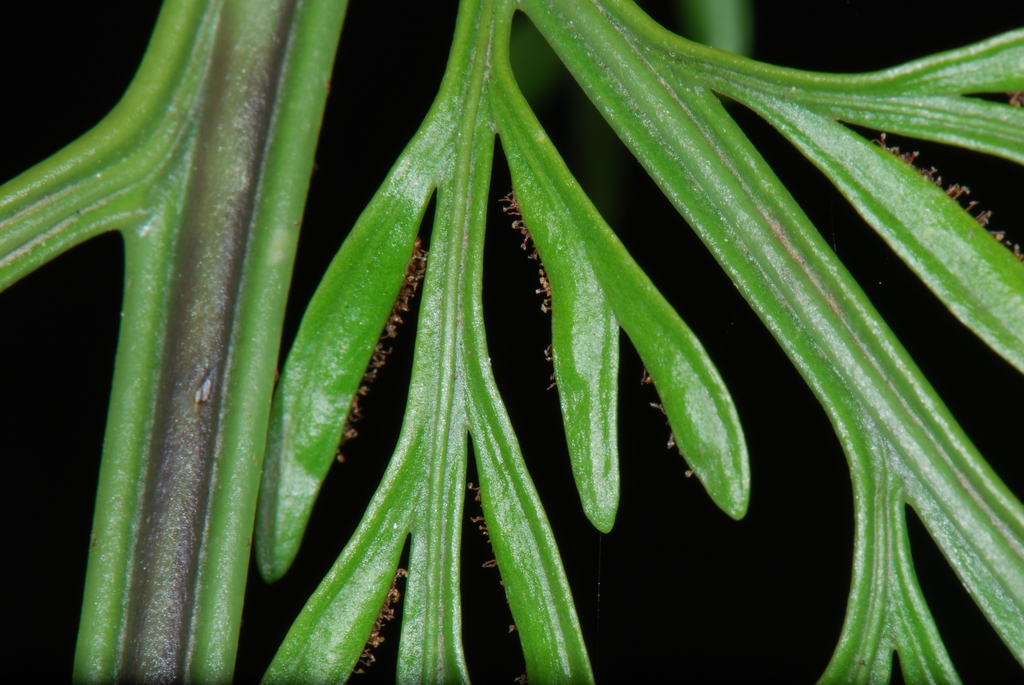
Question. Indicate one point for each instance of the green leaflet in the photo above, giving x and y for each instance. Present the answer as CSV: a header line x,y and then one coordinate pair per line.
x,y
924,98
699,408
990,66
978,280
584,349
328,636
524,546
585,353
431,647
335,342
421,493
978,125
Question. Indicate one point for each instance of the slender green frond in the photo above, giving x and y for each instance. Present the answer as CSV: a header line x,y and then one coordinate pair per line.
x,y
989,127
564,222
584,350
336,341
524,546
329,635
777,259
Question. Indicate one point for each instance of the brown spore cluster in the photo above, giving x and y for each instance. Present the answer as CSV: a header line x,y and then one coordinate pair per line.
x,y
518,224
647,380
955,190
482,527
490,563
387,613
414,272
513,210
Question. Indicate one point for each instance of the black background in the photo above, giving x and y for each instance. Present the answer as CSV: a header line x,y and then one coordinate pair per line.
x,y
677,587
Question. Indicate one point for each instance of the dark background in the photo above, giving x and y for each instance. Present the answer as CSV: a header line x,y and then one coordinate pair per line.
x,y
676,587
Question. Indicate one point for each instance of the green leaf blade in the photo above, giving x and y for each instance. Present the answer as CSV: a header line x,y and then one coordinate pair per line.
x,y
325,367
988,127
990,66
431,647
585,345
703,417
329,634
524,546
584,350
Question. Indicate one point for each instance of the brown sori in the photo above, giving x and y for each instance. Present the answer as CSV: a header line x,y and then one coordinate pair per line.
x,y
414,272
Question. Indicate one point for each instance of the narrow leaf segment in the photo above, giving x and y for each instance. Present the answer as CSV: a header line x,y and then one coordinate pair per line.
x,y
335,342
567,226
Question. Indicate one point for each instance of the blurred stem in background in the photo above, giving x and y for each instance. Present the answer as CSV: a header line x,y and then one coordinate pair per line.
x,y
723,24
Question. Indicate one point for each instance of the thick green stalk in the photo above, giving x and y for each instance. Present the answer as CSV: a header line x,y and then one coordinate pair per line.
x,y
191,396
204,168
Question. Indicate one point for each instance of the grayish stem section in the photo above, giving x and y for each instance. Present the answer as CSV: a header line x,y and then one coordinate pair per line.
x,y
234,118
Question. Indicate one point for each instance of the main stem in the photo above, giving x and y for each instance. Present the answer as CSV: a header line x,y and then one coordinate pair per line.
x,y
203,311
240,90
